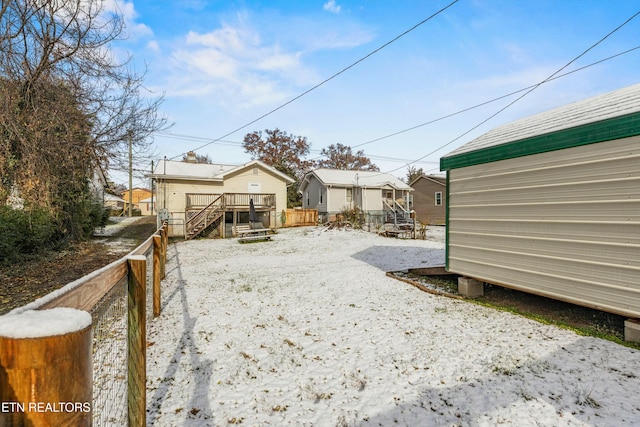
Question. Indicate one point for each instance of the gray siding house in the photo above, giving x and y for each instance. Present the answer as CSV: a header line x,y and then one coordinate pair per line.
x,y
550,204
378,194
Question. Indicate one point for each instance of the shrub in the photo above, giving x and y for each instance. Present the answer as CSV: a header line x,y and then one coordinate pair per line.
x,y
25,232
353,216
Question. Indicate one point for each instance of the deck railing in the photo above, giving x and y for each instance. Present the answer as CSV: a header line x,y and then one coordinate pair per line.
x,y
200,200
231,200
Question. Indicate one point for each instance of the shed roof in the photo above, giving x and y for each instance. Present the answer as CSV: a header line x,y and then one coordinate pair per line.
x,y
349,178
604,117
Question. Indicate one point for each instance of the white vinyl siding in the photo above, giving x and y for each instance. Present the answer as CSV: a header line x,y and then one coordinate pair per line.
x,y
563,224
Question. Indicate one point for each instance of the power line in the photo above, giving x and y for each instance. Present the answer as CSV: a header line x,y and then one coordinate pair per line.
x,y
330,78
239,144
531,89
482,104
220,141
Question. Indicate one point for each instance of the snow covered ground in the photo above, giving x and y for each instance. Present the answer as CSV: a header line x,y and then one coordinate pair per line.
x,y
307,330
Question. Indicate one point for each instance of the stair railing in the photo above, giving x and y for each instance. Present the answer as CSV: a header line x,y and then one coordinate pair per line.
x,y
203,215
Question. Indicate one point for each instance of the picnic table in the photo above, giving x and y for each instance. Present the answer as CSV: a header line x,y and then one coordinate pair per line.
x,y
247,234
399,232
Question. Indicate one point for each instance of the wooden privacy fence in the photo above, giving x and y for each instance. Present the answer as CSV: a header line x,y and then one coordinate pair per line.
x,y
299,217
45,377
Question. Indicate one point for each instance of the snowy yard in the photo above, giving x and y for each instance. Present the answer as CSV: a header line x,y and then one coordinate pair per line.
x,y
307,330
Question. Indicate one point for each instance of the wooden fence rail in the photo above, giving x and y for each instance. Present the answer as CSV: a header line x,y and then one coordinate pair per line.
x,y
83,295
300,217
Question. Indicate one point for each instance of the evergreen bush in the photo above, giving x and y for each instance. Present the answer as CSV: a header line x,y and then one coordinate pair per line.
x,y
25,232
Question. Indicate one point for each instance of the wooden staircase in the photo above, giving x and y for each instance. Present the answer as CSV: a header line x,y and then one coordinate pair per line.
x,y
206,219
396,214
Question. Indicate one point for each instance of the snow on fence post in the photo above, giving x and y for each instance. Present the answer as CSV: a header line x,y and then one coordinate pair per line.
x,y
136,341
46,374
157,267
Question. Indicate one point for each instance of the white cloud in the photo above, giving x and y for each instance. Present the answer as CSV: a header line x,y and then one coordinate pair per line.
x,y
127,10
153,46
332,6
251,61
233,63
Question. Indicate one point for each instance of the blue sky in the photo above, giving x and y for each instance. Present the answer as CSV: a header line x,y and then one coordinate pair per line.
x,y
223,64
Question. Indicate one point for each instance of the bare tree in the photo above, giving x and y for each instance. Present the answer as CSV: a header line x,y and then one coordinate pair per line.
x,y
340,156
66,103
413,173
192,157
283,151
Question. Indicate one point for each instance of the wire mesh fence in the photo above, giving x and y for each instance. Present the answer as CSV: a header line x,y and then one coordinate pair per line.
x,y
149,288
110,358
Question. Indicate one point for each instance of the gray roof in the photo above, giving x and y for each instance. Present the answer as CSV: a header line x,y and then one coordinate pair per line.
x,y
172,169
348,178
606,106
440,179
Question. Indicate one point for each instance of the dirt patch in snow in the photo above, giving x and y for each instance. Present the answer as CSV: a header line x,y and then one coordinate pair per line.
x,y
26,282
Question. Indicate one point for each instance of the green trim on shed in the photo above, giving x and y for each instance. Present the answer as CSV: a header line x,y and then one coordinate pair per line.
x,y
446,229
590,133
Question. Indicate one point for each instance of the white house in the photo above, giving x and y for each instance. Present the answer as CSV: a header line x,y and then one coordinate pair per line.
x,y
550,204
199,198
148,206
378,194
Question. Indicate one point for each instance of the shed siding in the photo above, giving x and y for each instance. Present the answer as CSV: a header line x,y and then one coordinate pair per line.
x,y
563,224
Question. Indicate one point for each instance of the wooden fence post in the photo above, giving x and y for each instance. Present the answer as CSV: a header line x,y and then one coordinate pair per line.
x,y
165,244
46,374
157,269
137,341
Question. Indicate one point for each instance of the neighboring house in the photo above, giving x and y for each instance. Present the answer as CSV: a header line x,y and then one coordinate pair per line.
x,y
100,186
550,204
148,205
429,199
198,198
332,191
113,202
137,194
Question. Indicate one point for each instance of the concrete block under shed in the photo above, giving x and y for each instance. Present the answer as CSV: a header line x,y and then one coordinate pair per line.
x,y
632,330
470,288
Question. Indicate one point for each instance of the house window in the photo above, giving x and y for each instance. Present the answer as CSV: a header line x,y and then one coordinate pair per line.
x,y
349,195
321,196
438,198
306,196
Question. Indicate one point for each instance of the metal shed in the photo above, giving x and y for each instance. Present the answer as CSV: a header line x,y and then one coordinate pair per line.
x,y
550,204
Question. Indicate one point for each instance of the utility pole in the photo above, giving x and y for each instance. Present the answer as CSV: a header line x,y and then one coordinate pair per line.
x,y
130,175
152,192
